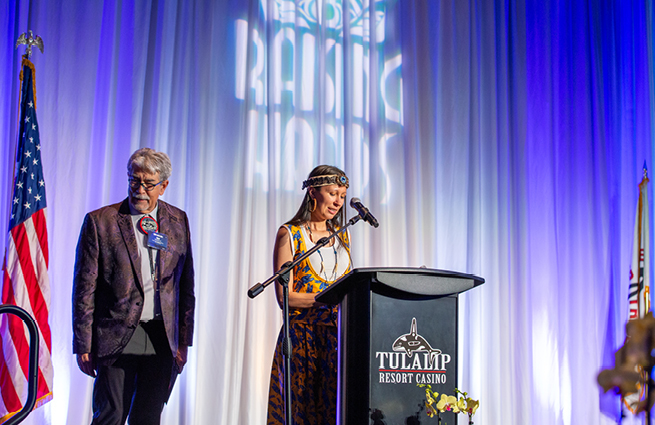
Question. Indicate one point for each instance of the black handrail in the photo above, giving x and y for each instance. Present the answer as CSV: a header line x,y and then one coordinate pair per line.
x,y
34,361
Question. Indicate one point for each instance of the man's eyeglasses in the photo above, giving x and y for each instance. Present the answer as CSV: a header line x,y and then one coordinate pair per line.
x,y
135,184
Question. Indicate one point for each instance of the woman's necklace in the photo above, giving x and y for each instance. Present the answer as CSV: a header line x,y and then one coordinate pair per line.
x,y
336,259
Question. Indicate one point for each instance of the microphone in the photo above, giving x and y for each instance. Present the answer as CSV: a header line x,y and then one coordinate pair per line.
x,y
364,213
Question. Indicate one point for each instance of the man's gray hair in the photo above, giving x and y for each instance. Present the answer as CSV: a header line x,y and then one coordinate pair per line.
x,y
150,161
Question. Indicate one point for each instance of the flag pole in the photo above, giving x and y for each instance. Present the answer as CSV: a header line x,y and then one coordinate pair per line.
x,y
26,262
649,372
647,417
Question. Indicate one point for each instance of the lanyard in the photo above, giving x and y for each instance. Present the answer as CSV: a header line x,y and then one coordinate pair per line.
x,y
148,224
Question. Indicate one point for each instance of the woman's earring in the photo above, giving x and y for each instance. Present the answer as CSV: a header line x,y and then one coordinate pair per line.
x,y
312,205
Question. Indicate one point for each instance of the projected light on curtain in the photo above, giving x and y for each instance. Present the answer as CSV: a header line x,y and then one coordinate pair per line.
x,y
304,59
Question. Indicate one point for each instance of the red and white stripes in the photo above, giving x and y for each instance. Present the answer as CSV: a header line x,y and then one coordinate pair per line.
x,y
25,284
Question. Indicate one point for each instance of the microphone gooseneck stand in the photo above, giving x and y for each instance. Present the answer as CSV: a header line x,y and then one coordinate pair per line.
x,y
282,276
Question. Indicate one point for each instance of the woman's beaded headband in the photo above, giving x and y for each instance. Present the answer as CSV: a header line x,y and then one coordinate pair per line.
x,y
318,181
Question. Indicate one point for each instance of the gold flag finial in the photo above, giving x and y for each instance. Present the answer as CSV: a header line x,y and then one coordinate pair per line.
x,y
645,171
30,41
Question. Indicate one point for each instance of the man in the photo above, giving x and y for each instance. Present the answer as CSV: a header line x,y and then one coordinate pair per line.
x,y
133,297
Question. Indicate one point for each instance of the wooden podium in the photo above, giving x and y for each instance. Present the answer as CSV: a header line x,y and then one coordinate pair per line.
x,y
397,329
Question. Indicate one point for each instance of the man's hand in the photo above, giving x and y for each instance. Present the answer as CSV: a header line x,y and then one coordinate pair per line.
x,y
86,365
180,357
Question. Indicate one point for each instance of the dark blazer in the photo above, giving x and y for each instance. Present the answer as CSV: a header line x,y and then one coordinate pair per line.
x,y
107,287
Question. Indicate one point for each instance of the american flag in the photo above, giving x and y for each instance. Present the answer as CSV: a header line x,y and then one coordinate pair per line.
x,y
25,269
639,289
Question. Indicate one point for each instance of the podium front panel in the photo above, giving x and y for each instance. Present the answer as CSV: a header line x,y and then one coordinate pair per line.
x,y
412,342
389,344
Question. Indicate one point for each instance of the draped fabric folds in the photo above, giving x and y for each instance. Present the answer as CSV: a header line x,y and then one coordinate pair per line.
x,y
504,139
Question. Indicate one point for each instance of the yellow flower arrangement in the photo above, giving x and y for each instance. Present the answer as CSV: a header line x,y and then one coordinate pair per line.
x,y
448,403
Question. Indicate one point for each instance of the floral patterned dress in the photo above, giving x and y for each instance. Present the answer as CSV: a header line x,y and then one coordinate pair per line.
x,y
314,358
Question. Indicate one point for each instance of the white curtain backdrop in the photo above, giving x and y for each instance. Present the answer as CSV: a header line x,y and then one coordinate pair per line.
x,y
504,139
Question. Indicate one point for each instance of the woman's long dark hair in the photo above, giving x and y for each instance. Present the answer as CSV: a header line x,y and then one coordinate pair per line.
x,y
303,215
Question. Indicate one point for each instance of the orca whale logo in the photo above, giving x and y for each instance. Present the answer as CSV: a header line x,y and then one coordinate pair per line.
x,y
413,342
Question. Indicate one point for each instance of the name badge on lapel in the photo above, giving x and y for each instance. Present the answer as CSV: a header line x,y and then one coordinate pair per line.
x,y
157,240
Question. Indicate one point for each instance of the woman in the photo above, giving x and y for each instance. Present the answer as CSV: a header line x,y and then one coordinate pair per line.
x,y
312,325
